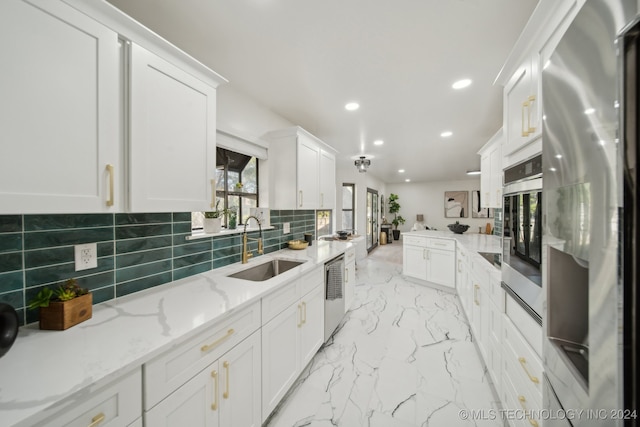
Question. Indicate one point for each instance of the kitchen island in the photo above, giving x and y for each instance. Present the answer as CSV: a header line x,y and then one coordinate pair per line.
x,y
48,373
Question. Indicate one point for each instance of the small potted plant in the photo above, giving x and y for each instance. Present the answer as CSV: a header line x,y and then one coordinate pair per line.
x,y
63,307
394,208
213,220
232,218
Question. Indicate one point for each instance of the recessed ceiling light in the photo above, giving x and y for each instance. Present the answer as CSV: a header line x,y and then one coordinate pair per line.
x,y
352,106
446,134
558,156
473,172
400,170
378,142
407,180
590,111
460,84
552,169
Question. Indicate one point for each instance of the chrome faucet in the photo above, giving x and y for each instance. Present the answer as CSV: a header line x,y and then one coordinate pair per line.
x,y
246,254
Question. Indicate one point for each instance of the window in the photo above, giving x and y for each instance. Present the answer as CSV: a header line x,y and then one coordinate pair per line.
x,y
348,206
236,185
323,223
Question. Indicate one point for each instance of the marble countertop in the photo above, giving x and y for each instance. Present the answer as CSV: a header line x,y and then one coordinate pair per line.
x,y
45,367
473,242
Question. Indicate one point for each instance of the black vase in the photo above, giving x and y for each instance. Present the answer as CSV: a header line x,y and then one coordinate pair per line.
x,y
396,234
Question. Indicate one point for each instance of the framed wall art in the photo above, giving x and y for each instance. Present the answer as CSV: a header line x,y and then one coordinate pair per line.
x,y
456,204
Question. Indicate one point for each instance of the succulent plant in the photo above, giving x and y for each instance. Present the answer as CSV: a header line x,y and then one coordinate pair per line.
x,y
67,291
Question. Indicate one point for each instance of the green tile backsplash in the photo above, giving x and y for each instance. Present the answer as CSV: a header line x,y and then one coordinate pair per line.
x,y
135,251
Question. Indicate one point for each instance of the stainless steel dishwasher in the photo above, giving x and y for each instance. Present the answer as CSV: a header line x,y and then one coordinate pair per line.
x,y
334,295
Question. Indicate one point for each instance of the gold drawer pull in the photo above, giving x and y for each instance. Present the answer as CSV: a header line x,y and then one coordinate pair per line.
x,y
97,420
214,405
226,389
525,132
111,186
530,100
304,310
475,294
218,341
522,400
523,363
300,313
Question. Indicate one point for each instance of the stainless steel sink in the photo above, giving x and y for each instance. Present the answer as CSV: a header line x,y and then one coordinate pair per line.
x,y
267,270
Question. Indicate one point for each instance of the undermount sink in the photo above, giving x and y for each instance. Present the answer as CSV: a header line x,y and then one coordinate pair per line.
x,y
267,270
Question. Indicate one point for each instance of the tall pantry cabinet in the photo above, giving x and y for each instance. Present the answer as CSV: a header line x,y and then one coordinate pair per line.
x,y
99,114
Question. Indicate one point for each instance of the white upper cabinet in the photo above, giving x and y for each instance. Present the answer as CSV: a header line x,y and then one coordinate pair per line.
x,y
301,171
58,110
327,180
97,111
491,172
521,76
172,144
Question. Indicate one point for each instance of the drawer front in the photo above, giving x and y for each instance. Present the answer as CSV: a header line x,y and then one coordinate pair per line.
x,y
170,370
119,404
496,293
349,255
274,303
313,280
529,328
525,365
444,244
415,241
512,399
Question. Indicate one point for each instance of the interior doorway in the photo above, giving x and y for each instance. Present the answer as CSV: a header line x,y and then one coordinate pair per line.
x,y
372,219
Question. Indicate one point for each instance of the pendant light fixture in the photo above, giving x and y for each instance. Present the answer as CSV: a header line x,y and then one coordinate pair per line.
x,y
362,164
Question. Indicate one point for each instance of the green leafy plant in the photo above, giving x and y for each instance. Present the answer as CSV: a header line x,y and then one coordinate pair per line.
x,y
215,214
67,291
394,208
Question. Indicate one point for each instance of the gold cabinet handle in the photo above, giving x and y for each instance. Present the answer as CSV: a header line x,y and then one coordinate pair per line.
x,y
475,294
522,400
525,105
300,315
300,193
97,420
110,201
346,275
530,102
218,341
226,389
214,405
304,310
523,363
213,194
459,268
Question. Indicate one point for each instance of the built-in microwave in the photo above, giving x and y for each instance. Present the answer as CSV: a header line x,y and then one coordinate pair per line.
x,y
522,235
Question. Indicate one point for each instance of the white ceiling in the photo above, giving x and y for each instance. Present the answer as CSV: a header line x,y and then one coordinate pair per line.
x,y
306,59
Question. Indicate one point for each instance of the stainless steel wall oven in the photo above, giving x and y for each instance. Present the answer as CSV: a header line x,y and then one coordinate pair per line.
x,y
522,235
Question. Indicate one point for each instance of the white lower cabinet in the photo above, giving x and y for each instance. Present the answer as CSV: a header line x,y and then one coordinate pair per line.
x,y
117,405
431,260
225,393
291,339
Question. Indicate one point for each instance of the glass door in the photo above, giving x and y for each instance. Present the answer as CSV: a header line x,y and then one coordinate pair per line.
x,y
372,219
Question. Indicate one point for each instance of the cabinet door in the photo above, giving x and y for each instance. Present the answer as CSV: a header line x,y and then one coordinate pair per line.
x,y
476,314
195,404
349,285
280,356
239,394
308,173
441,267
59,114
172,137
312,330
415,262
327,180
520,109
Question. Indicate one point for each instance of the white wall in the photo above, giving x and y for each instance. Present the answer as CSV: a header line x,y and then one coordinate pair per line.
x,y
240,115
427,198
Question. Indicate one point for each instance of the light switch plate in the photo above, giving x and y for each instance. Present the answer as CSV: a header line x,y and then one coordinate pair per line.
x,y
286,228
86,256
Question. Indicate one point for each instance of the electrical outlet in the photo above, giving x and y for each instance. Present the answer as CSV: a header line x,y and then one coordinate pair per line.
x,y
286,228
86,256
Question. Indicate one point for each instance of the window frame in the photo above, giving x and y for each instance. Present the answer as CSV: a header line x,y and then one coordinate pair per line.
x,y
353,205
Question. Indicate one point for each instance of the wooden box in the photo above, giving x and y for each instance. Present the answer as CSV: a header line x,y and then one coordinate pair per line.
x,y
61,315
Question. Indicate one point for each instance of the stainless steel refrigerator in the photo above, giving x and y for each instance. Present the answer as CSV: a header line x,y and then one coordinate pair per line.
x,y
590,145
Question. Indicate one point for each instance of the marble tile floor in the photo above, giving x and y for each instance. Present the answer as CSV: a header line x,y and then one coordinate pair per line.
x,y
402,357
